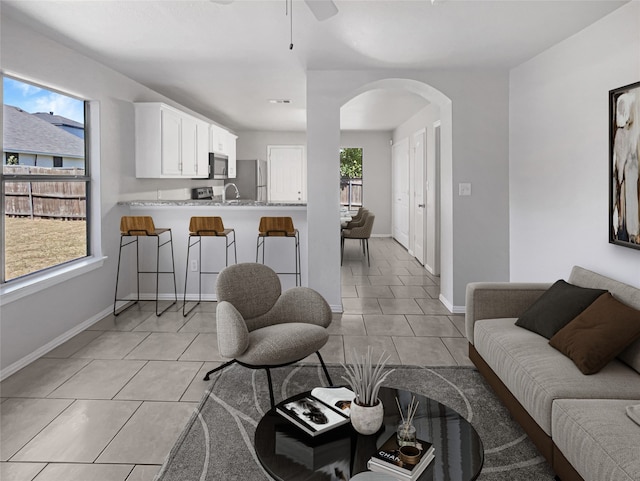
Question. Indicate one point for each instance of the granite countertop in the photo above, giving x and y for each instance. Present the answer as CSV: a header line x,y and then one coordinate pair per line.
x,y
209,203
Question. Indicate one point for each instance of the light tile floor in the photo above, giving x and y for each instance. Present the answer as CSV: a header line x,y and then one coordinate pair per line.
x,y
109,404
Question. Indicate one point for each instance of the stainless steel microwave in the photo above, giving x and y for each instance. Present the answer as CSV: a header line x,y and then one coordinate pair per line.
x,y
218,166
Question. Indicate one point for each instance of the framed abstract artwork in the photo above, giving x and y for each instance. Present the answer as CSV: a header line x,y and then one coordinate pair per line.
x,y
624,152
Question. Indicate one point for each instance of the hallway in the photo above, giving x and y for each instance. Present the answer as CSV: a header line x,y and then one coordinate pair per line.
x,y
393,306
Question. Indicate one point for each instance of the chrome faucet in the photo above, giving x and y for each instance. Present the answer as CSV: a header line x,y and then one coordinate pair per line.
x,y
224,191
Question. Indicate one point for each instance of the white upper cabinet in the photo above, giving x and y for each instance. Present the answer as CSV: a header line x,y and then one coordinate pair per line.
x,y
231,167
202,149
224,142
219,143
170,143
169,138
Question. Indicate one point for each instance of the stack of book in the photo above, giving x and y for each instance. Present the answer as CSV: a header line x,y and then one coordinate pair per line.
x,y
320,411
387,460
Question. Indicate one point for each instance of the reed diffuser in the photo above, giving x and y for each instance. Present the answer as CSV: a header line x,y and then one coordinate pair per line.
x,y
406,430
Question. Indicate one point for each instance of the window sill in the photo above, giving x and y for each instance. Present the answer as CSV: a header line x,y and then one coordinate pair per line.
x,y
16,290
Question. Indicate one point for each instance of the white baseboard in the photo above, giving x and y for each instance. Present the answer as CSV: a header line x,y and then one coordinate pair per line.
x,y
61,339
452,309
336,308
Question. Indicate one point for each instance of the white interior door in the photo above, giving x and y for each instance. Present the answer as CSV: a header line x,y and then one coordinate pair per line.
x,y
419,194
400,191
432,261
286,173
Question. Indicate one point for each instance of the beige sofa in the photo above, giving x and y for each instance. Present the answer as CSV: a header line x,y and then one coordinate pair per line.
x,y
578,422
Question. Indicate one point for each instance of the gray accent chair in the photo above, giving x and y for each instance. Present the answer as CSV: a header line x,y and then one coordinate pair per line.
x,y
363,233
261,327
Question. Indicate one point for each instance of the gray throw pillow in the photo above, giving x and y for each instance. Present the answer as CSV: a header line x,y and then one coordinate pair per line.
x,y
554,309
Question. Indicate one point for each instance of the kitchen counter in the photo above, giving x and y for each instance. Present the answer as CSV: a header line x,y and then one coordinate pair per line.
x,y
241,215
209,203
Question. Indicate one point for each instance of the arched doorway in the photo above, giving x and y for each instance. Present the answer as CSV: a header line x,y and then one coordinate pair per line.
x,y
327,92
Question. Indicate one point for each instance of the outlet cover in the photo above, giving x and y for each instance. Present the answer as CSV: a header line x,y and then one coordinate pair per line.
x,y
464,188
194,265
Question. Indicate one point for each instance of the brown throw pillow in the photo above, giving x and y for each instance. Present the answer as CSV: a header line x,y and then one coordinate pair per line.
x,y
597,335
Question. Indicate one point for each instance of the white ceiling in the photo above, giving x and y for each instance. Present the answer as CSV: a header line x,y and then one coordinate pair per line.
x,y
227,59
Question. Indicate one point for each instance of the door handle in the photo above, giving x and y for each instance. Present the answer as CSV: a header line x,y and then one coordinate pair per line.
x,y
420,205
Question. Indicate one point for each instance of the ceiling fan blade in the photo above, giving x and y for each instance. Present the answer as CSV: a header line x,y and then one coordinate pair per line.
x,y
322,9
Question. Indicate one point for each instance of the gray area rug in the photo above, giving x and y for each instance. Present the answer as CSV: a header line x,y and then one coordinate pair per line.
x,y
217,443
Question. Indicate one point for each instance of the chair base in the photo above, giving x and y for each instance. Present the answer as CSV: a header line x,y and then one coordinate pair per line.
x,y
268,369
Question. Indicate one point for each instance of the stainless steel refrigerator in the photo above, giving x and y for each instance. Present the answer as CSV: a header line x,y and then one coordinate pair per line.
x,y
251,179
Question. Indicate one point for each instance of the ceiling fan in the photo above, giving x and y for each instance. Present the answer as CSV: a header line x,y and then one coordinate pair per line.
x,y
321,9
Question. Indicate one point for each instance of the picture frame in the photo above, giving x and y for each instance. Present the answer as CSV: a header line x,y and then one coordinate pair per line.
x,y
624,156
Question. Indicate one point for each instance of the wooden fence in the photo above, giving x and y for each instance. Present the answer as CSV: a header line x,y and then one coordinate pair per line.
x,y
351,192
55,199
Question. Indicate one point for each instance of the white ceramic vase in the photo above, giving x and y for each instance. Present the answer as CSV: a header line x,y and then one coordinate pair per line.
x,y
366,419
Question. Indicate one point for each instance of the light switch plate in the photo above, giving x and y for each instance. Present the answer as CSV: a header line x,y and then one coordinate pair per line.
x,y
464,188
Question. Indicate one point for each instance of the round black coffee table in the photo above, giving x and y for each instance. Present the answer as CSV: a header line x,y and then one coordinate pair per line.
x,y
288,454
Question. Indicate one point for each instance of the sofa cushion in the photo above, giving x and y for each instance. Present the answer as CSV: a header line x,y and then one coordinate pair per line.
x,y
537,374
597,438
561,303
623,292
598,334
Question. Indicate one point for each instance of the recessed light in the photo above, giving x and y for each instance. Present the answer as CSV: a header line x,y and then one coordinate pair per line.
x,y
280,101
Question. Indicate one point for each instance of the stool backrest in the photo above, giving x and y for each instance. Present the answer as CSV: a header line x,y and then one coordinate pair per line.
x,y
137,225
276,226
206,226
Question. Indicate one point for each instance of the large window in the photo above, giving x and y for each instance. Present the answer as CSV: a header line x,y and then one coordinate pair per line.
x,y
351,177
45,180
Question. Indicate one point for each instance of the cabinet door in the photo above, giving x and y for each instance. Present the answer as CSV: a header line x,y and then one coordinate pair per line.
x,y
170,140
202,152
189,146
231,148
218,140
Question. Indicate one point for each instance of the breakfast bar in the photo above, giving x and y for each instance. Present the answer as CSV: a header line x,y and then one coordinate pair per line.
x,y
241,215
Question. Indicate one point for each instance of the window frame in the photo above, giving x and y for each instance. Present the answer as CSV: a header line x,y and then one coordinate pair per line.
x,y
27,284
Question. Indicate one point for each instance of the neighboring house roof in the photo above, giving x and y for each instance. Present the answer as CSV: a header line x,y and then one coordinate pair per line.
x,y
26,133
58,120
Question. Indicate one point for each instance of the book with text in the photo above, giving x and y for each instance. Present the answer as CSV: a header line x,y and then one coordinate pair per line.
x,y
387,459
318,412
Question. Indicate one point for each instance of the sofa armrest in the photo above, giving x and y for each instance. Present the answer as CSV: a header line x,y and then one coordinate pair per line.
x,y
493,300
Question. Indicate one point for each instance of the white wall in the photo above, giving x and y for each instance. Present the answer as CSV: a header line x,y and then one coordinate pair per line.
x,y
474,110
559,159
253,144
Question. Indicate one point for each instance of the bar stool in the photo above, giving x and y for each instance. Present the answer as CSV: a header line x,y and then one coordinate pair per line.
x,y
279,227
136,227
206,227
